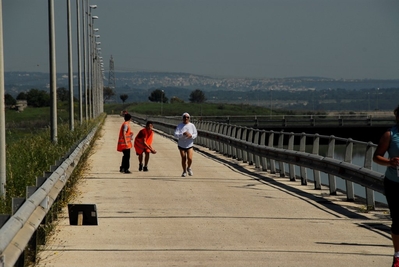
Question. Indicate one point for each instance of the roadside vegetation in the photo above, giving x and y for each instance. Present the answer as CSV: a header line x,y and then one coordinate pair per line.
x,y
30,151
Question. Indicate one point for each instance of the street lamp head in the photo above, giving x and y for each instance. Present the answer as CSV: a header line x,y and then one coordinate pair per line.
x,y
97,36
93,6
94,17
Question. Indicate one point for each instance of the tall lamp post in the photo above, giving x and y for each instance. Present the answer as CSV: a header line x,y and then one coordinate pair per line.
x,y
53,78
79,63
89,56
70,72
2,115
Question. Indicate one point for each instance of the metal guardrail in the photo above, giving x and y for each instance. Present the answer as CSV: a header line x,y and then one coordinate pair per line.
x,y
280,152
270,121
246,144
20,227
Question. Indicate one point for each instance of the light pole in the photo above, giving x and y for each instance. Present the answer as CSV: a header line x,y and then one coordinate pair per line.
x,y
53,78
2,114
85,69
79,62
70,73
90,61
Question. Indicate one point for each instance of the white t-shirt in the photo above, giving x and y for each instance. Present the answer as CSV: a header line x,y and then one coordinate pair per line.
x,y
184,141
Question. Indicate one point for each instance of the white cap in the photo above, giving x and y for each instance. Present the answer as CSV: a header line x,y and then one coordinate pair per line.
x,y
186,114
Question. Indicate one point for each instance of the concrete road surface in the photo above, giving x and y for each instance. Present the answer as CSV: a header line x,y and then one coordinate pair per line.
x,y
226,214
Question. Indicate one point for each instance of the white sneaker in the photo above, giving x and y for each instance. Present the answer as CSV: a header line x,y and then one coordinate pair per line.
x,y
184,174
190,172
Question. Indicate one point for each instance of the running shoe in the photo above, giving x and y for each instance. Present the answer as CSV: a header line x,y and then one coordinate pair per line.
x,y
145,169
395,262
140,167
190,172
184,174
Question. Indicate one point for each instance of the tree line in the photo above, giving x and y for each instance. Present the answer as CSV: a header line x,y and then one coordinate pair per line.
x,y
36,97
41,98
159,96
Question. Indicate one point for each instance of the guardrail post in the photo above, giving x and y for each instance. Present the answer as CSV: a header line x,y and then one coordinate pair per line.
x,y
16,204
217,143
229,149
224,145
238,136
368,159
256,156
233,148
208,140
350,191
332,183
272,161
250,140
302,148
213,142
291,166
199,139
315,151
281,146
263,160
244,138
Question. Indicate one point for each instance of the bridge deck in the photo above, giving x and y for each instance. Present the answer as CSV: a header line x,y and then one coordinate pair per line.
x,y
223,215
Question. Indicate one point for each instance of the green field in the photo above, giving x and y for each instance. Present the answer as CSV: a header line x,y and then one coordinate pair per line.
x,y
195,109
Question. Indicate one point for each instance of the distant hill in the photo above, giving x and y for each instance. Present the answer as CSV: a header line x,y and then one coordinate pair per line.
x,y
308,93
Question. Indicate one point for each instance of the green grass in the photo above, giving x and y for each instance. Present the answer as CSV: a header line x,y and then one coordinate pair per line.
x,y
30,151
197,110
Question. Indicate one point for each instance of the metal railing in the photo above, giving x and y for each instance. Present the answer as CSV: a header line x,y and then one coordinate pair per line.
x,y
283,153
29,213
268,121
276,152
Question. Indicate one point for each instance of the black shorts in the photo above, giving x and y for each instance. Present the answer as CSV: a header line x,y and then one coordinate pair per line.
x,y
183,148
391,193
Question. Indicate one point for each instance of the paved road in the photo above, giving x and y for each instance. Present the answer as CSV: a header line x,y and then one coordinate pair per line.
x,y
223,215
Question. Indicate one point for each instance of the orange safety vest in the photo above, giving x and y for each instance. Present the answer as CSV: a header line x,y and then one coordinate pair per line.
x,y
139,145
129,136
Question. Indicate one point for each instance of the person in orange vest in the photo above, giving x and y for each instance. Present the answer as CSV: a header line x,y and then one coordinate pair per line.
x,y
142,145
125,143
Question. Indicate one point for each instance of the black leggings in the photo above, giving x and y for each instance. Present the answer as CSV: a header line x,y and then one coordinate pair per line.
x,y
126,160
391,193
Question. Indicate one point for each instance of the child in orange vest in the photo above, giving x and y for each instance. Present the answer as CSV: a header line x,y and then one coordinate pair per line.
x,y
125,143
142,144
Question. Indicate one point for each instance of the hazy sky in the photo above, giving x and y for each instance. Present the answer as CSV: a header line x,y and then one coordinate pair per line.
x,y
233,38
